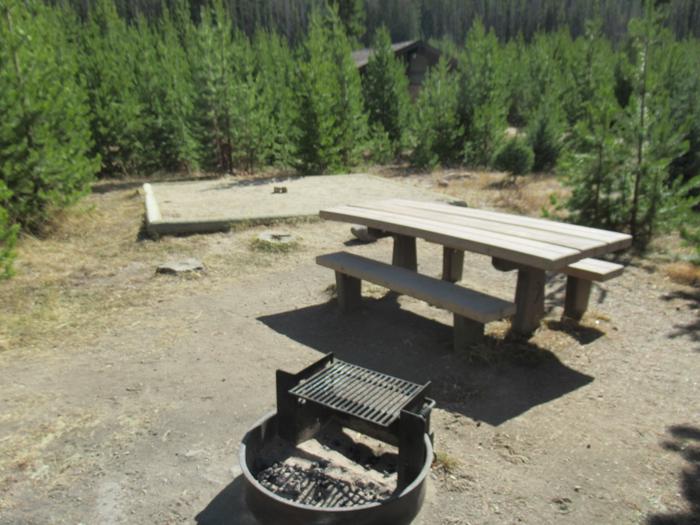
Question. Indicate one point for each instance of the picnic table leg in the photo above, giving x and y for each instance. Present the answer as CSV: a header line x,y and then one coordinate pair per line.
x,y
529,300
405,252
452,264
577,293
349,292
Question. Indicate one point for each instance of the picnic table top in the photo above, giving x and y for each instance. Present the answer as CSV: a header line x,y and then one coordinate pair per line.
x,y
538,243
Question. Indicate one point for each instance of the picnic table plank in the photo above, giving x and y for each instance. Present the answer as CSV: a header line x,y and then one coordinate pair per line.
x,y
613,240
594,270
464,301
596,247
533,253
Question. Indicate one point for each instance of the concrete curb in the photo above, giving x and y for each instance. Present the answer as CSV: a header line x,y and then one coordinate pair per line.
x,y
156,226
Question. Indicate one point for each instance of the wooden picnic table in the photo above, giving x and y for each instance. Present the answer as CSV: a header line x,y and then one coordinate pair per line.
x,y
531,246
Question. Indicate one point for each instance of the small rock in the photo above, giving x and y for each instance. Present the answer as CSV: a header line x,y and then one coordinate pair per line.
x,y
443,183
362,234
183,266
277,238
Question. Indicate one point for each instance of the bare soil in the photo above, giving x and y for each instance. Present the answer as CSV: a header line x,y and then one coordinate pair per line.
x,y
125,394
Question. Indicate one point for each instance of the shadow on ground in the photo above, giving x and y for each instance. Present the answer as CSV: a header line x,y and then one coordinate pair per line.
x,y
686,442
690,330
228,507
493,382
258,181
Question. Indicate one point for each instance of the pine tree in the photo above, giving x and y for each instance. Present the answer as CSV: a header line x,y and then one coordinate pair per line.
x,y
276,72
593,167
544,135
514,57
648,126
8,233
250,118
108,60
44,137
332,123
211,64
437,129
352,14
386,90
179,146
681,79
482,96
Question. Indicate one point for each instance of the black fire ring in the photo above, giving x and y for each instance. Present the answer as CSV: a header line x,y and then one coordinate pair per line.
x,y
271,509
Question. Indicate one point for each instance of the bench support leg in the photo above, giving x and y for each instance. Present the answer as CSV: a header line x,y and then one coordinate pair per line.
x,y
529,300
466,332
578,292
405,252
349,292
452,264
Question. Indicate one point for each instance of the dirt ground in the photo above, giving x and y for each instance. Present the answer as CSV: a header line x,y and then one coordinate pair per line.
x,y
125,394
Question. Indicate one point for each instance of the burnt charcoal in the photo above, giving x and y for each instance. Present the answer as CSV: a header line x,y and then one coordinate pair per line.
x,y
313,486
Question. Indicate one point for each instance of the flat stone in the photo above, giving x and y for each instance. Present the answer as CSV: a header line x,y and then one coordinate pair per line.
x,y
277,237
183,266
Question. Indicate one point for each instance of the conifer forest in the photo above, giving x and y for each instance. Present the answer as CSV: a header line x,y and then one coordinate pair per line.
x,y
606,94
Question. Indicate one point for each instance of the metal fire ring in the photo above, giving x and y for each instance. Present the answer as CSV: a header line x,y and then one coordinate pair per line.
x,y
272,509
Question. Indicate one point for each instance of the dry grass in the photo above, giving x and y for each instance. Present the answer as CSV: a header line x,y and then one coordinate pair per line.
x,y
527,195
684,273
261,245
445,462
93,264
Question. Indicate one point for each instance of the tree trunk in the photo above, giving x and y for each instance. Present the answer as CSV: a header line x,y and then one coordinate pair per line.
x,y
634,227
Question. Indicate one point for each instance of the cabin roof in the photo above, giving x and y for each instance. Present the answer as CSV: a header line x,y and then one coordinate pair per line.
x,y
361,56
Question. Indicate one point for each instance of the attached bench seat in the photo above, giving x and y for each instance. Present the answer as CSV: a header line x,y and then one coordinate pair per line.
x,y
471,309
594,270
580,276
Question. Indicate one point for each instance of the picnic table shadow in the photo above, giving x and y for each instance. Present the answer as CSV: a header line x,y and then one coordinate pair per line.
x,y
506,379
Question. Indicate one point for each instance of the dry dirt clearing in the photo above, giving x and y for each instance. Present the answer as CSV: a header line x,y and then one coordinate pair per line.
x,y
125,393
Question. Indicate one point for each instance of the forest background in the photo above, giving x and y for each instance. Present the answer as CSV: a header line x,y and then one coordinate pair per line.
x,y
606,94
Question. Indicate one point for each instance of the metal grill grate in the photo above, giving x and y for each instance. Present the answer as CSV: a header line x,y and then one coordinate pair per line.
x,y
372,396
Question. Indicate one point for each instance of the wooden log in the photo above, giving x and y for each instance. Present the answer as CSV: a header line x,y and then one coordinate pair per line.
x,y
578,292
405,254
529,300
466,332
452,264
349,292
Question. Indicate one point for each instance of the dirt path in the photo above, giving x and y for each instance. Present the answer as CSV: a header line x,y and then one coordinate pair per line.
x,y
140,423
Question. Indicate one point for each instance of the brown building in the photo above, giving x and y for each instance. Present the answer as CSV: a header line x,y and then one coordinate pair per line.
x,y
417,56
